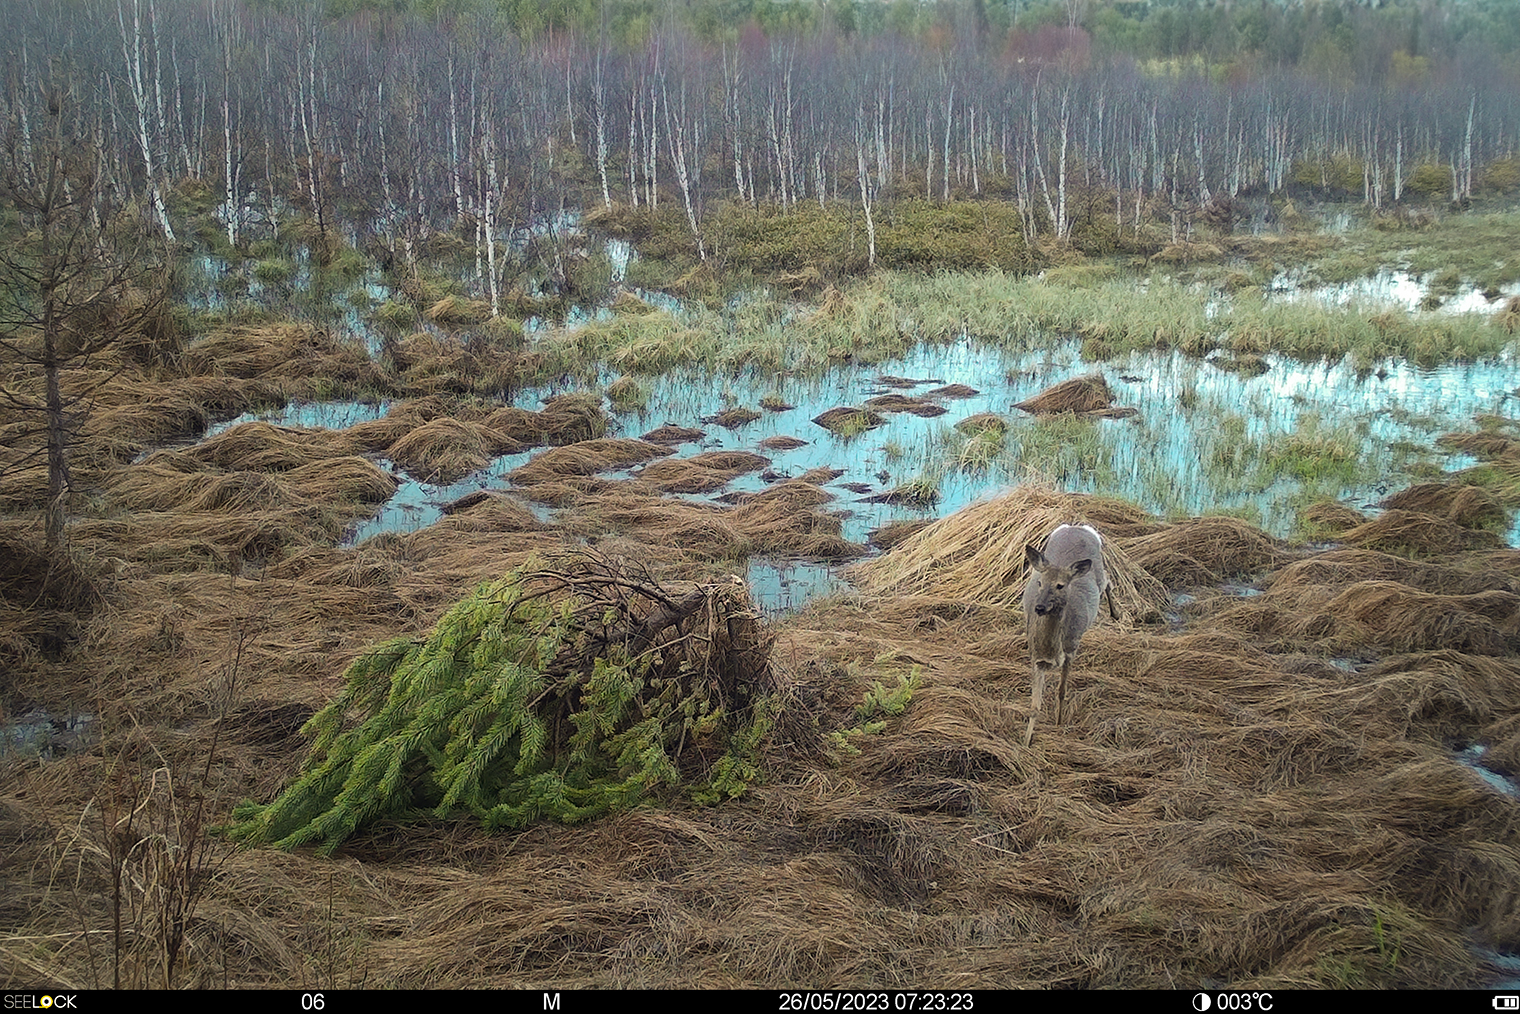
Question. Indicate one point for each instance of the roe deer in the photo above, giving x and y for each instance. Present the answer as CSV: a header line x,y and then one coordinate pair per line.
x,y
1060,603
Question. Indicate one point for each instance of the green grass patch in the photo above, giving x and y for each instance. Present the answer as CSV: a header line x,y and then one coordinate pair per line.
x,y
274,270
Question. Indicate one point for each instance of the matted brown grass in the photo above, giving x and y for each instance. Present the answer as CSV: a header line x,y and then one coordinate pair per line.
x,y
781,442
585,458
701,474
446,450
1418,534
669,434
1481,445
264,447
847,419
1509,317
1331,516
1079,395
1223,804
1468,506
1200,551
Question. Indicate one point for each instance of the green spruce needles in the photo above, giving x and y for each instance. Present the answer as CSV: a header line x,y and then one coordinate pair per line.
x,y
557,692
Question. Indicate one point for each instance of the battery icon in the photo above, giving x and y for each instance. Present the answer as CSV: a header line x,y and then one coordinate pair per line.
x,y
1507,1003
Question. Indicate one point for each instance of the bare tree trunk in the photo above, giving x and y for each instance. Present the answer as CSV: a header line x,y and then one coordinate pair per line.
x,y
675,137
733,115
949,109
232,166
132,52
1398,167
1467,150
633,161
489,153
600,93
455,166
1063,227
1039,165
863,178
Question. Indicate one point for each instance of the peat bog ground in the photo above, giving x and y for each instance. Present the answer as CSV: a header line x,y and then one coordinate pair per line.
x,y
1286,765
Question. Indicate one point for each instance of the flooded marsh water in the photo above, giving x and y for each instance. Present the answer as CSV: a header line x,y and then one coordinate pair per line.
x,y
1205,438
1257,436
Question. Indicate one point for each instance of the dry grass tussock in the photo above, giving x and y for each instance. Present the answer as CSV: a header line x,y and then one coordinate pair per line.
x,y
1380,614
1482,445
786,520
1089,395
702,473
1464,505
446,450
1330,516
585,458
1230,799
294,355
1418,534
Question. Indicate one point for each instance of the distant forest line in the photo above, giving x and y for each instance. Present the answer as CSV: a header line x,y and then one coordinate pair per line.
x,y
405,120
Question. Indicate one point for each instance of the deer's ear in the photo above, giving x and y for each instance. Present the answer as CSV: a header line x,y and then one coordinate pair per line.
x,y
1081,567
1034,557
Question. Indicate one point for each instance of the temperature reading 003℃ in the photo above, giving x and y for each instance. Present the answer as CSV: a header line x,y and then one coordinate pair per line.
x,y
1232,1001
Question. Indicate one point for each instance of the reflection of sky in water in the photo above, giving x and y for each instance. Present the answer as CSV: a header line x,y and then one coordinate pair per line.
x,y
330,415
1472,759
1387,287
